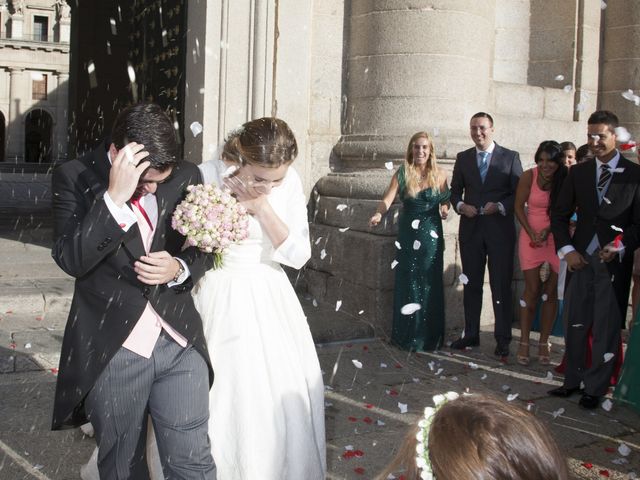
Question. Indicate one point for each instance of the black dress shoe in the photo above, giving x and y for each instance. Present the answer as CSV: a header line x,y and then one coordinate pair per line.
x,y
464,342
501,351
563,391
589,401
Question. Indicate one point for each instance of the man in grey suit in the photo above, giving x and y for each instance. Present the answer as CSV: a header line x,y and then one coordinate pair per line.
x,y
605,191
483,189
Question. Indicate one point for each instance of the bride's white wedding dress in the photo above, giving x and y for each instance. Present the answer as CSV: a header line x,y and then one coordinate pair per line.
x,y
267,399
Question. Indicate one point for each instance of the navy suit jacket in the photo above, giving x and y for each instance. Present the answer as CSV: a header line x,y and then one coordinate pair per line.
x,y
499,186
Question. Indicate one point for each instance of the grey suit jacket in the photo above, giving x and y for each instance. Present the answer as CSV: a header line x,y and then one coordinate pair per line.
x,y
499,186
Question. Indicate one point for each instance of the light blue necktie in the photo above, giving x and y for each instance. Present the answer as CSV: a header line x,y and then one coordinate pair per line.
x,y
483,165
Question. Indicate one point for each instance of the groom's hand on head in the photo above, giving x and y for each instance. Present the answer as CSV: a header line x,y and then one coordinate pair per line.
x,y
156,268
127,165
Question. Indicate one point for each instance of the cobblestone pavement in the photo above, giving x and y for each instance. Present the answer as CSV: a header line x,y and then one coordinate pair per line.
x,y
363,405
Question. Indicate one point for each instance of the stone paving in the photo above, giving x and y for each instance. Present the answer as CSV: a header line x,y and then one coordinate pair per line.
x,y
363,405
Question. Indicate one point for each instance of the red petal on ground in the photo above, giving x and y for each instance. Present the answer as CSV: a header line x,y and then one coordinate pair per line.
x,y
588,465
604,473
9,311
352,419
348,454
358,453
397,365
54,371
368,405
359,470
609,449
367,420
349,345
393,393
39,318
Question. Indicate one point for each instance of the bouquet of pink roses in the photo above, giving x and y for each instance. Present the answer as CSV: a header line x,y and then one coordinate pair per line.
x,y
211,219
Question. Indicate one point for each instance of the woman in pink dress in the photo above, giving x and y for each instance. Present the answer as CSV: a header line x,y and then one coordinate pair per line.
x,y
538,189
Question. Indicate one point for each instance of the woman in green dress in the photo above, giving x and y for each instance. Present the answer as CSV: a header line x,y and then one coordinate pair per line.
x,y
418,303
628,387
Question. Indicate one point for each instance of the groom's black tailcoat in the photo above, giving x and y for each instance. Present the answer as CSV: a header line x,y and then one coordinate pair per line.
x,y
108,299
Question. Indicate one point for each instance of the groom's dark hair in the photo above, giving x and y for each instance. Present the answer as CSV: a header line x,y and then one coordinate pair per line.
x,y
146,123
605,117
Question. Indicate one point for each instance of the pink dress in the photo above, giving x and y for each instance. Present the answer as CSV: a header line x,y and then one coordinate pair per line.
x,y
538,218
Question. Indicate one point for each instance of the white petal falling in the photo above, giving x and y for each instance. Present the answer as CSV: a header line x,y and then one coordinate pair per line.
x,y
338,305
603,4
360,312
415,224
91,70
433,234
608,356
416,245
323,253
568,88
545,297
318,240
617,229
402,407
342,230
356,363
341,207
388,165
628,95
559,78
483,377
132,74
463,279
393,264
196,128
114,29
410,308
314,303
623,134
397,244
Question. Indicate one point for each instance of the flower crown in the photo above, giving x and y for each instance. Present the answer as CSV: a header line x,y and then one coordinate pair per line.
x,y
422,448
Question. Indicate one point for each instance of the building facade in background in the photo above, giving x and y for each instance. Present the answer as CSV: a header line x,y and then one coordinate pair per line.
x,y
355,79
34,72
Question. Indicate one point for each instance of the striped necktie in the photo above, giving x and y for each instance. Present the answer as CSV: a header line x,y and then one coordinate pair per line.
x,y
605,176
483,166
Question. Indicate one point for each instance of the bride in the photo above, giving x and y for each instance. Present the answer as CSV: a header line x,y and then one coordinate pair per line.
x,y
267,400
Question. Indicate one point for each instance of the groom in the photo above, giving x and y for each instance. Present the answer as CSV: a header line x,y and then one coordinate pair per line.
x,y
133,345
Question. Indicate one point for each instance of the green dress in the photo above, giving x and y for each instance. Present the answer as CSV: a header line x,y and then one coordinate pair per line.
x,y
418,273
628,387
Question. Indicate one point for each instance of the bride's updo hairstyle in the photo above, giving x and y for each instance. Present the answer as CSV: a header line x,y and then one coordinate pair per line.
x,y
265,142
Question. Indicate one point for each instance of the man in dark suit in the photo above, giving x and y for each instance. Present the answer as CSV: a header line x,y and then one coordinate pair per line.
x,y
605,191
483,189
133,345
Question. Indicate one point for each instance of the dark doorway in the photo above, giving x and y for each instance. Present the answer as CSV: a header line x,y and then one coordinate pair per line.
x,y
38,127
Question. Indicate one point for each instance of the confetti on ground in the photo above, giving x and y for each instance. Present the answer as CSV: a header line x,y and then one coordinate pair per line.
x,y
341,207
557,413
338,305
473,366
323,254
318,240
342,230
624,450
607,405
512,396
356,363
402,407
549,375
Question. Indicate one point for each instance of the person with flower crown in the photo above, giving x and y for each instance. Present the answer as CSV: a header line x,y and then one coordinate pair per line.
x,y
466,437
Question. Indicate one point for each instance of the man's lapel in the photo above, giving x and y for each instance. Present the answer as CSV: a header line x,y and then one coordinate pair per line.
x,y
616,190
494,163
162,198
590,186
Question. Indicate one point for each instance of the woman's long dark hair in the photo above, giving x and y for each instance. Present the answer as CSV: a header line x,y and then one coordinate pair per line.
x,y
555,153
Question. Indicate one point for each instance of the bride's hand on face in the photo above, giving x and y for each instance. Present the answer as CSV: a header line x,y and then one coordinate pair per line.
x,y
248,196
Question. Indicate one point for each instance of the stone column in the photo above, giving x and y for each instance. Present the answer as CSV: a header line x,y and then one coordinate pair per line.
x,y
15,132
61,138
17,20
620,67
414,65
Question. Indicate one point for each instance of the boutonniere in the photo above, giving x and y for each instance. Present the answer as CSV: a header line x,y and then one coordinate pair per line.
x,y
617,170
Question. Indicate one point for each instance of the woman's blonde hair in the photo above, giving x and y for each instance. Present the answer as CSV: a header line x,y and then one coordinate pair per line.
x,y
267,142
482,437
412,177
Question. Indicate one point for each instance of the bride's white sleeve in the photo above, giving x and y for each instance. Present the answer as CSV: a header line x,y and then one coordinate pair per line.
x,y
210,169
295,251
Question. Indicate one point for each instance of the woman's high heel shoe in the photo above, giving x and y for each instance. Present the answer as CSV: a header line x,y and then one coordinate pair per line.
x,y
544,353
523,359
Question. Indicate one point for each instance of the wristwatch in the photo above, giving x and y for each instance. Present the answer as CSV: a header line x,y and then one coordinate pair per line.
x,y
180,270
